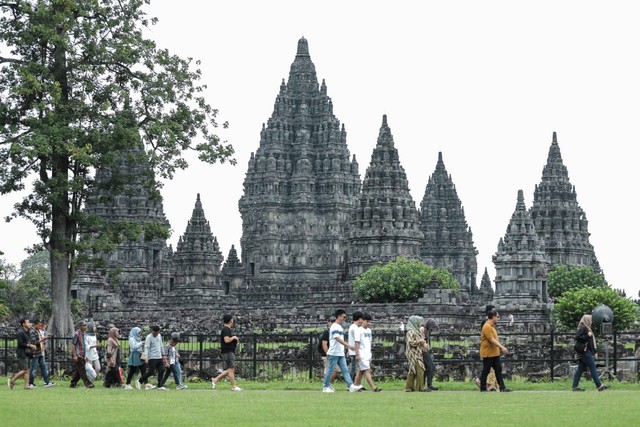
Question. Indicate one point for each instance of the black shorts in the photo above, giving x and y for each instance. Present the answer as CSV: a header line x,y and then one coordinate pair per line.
x,y
229,360
24,362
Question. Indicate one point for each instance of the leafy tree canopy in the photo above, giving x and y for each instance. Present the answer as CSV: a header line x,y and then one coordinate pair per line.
x,y
400,280
79,86
573,304
561,279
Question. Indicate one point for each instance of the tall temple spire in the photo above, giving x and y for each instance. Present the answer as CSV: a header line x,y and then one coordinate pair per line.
x,y
520,261
197,259
300,185
558,217
448,240
385,220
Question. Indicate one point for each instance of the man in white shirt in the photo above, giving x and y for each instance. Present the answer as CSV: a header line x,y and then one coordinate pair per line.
x,y
366,353
336,354
354,340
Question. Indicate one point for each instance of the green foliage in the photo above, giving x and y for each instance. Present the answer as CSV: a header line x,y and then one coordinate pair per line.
x,y
573,304
400,280
28,294
81,90
561,279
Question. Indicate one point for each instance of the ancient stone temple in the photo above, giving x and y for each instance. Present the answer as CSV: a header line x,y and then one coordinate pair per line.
x,y
558,218
300,187
141,265
385,220
485,285
521,263
448,240
197,258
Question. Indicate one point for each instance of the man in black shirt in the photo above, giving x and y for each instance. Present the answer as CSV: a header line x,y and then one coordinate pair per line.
x,y
24,352
228,343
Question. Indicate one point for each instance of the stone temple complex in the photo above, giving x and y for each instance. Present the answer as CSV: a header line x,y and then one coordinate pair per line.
x,y
310,226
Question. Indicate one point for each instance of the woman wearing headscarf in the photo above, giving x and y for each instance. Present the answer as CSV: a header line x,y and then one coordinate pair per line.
x,y
585,347
135,362
92,345
415,346
112,379
428,326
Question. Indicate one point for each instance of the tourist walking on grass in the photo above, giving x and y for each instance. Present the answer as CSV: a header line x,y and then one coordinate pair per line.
x,y
91,340
113,378
38,338
365,351
415,346
426,328
24,353
336,354
172,364
490,349
585,348
354,341
323,347
79,354
228,344
152,356
135,362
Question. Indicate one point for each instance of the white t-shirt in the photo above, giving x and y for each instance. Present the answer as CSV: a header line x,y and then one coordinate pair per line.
x,y
335,348
354,336
366,339
89,341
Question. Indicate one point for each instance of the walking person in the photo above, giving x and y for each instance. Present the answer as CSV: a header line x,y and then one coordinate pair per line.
x,y
24,353
366,353
78,352
152,356
354,341
228,344
135,362
172,364
415,346
91,340
113,378
323,347
585,348
490,349
336,354
426,328
38,338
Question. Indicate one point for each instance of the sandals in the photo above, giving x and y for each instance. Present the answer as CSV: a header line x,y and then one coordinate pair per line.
x,y
377,389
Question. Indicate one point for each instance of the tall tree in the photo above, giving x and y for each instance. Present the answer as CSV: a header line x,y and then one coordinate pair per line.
x,y
79,84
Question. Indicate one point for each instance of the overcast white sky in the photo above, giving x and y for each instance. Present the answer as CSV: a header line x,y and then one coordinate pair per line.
x,y
486,83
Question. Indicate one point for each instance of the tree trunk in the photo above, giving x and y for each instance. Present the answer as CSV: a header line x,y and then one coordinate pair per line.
x,y
61,323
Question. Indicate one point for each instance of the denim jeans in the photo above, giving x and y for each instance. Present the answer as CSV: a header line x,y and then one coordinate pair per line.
x,y
585,362
35,362
176,371
341,361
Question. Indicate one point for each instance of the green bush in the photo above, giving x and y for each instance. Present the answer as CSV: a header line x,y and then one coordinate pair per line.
x,y
573,304
399,281
562,278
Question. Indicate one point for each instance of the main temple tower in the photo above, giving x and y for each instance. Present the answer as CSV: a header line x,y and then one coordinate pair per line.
x,y
300,187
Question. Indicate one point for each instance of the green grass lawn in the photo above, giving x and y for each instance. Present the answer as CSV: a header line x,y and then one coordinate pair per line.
x,y
302,404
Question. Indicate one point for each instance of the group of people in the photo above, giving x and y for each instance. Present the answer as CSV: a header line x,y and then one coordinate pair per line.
x,y
151,357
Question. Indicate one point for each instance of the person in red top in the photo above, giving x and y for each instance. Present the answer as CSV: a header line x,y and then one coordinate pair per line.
x,y
490,349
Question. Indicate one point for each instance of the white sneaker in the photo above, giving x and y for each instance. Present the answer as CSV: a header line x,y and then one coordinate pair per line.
x,y
138,386
181,387
32,386
213,384
49,384
353,388
328,390
236,389
128,387
162,388
149,387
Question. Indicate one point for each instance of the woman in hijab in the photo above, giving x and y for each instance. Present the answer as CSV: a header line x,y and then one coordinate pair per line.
x,y
585,347
426,328
135,362
112,379
415,346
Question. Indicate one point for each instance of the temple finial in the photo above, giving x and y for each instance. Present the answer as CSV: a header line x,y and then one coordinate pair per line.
x,y
555,138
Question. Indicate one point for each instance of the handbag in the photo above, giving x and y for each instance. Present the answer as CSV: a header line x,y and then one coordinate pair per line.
x,y
580,347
